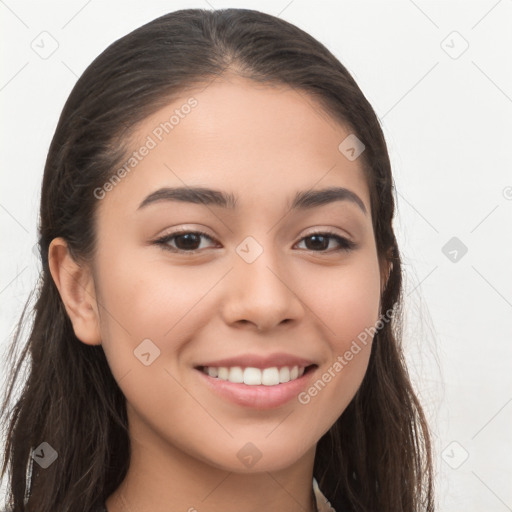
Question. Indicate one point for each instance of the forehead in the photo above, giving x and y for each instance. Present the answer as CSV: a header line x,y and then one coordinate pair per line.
x,y
256,140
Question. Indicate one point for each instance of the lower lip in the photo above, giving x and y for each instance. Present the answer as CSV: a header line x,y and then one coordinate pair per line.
x,y
258,397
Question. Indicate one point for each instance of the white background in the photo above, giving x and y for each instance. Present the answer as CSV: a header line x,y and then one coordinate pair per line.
x,y
447,119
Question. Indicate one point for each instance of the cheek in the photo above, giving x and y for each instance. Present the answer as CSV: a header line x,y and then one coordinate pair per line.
x,y
145,324
348,305
144,300
347,300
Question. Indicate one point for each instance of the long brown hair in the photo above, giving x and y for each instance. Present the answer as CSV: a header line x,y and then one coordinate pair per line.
x,y
377,456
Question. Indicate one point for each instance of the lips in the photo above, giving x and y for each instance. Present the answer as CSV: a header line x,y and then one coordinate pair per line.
x,y
260,382
258,396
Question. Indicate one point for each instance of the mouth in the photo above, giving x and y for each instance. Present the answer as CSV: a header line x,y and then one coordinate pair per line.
x,y
257,388
251,376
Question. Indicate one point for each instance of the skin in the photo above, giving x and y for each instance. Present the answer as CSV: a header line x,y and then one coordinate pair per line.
x,y
263,144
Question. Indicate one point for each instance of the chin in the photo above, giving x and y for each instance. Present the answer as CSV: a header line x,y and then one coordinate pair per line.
x,y
256,457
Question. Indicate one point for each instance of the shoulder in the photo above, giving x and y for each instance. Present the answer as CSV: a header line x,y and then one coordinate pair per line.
x,y
322,504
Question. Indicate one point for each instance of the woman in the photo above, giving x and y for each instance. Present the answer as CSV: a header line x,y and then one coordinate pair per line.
x,y
218,319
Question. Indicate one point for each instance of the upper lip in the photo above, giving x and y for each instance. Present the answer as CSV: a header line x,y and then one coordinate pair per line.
x,y
258,361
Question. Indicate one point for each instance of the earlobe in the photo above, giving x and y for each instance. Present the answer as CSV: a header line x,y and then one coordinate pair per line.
x,y
389,273
76,288
385,276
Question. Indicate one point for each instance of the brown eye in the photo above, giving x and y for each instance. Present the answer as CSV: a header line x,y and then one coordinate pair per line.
x,y
188,241
184,241
319,242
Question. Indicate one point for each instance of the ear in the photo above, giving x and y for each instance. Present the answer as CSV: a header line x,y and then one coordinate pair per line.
x,y
76,288
386,269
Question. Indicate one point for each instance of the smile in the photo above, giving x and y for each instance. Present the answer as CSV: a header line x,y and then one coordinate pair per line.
x,y
257,388
255,376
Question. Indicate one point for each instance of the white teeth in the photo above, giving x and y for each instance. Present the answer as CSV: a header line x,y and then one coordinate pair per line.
x,y
223,373
255,376
270,376
284,374
252,376
236,374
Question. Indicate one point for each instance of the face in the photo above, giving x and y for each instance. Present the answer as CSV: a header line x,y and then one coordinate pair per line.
x,y
243,289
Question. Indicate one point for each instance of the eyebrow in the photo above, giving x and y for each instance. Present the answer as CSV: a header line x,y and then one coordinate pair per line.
x,y
201,195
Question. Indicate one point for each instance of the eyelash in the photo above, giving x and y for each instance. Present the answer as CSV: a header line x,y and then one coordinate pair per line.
x,y
344,243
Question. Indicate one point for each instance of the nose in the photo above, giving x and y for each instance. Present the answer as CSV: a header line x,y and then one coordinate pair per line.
x,y
261,295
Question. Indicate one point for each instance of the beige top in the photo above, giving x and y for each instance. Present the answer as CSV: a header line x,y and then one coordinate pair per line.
x,y
322,504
